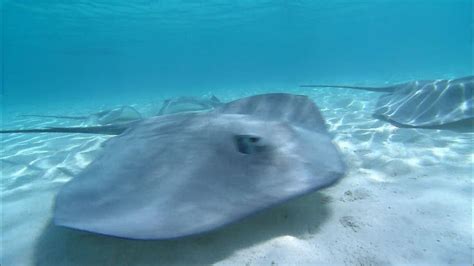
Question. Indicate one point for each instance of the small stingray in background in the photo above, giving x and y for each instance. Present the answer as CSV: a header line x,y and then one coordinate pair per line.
x,y
424,103
119,115
188,103
188,173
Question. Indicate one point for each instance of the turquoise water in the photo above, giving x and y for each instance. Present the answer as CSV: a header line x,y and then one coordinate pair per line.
x,y
62,50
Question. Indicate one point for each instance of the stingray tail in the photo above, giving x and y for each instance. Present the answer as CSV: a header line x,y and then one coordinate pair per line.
x,y
57,116
105,130
376,89
164,106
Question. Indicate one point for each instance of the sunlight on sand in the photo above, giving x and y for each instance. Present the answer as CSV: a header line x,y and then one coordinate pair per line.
x,y
406,198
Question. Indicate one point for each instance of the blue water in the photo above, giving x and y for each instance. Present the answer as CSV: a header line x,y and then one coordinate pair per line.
x,y
61,50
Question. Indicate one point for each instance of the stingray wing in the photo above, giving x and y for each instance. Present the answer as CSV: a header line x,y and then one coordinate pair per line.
x,y
299,110
178,175
429,103
123,114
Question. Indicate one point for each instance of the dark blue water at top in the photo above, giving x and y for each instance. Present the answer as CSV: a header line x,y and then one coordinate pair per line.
x,y
56,50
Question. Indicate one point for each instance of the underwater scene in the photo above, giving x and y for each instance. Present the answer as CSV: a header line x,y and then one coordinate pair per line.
x,y
246,132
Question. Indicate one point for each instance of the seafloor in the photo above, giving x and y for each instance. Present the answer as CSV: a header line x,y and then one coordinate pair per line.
x,y
406,198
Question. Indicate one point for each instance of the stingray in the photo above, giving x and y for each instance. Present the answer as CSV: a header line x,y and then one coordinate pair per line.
x,y
188,173
424,103
188,103
119,115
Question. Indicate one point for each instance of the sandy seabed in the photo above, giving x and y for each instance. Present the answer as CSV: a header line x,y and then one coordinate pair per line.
x,y
406,199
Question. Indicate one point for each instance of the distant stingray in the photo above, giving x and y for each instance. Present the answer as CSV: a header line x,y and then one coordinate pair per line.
x,y
182,174
187,103
115,116
424,103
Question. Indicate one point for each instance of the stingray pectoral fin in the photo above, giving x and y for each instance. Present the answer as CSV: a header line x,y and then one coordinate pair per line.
x,y
105,130
376,89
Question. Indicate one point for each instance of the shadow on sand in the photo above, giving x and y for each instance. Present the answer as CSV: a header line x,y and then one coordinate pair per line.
x,y
300,217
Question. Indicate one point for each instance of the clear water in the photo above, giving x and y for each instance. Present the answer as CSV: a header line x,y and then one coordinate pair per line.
x,y
93,49
407,196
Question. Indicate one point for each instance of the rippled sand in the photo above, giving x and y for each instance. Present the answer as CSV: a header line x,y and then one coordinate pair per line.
x,y
406,198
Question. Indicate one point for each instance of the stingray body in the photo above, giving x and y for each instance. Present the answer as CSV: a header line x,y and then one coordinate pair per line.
x,y
183,174
119,115
424,103
188,103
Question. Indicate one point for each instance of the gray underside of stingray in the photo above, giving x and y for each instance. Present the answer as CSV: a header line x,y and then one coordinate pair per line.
x,y
422,104
177,175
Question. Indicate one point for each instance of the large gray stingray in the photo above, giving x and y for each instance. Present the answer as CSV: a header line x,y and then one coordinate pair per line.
x,y
182,174
188,103
424,103
119,115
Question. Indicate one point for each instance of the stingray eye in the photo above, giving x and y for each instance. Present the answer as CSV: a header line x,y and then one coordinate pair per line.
x,y
248,144
254,139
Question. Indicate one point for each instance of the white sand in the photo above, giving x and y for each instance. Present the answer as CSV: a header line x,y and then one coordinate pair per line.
x,y
406,199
